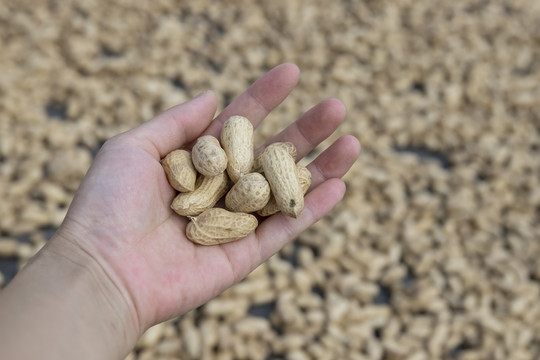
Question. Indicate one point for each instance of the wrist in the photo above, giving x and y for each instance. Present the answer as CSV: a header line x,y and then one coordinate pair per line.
x,y
65,287
109,306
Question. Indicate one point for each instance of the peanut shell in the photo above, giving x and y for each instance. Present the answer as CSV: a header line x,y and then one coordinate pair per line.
x,y
289,146
208,157
180,170
280,170
237,141
249,194
219,226
304,177
209,190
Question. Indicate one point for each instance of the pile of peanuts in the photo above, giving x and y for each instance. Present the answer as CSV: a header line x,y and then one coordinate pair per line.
x,y
266,184
433,252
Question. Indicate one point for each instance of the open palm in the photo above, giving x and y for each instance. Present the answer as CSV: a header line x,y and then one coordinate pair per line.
x,y
122,218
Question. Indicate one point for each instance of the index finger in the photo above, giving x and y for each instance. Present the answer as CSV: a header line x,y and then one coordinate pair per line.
x,y
260,98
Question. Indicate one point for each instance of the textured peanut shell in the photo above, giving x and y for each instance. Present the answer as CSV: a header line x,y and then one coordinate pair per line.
x,y
280,170
219,226
289,146
237,141
209,189
250,193
304,177
180,170
208,157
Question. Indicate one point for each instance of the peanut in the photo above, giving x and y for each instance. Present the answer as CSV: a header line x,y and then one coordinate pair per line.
x,y
180,170
280,171
208,191
250,193
269,183
289,146
237,141
219,226
208,157
8,247
304,177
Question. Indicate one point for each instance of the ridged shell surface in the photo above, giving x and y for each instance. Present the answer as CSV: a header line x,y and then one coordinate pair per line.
x,y
237,141
219,226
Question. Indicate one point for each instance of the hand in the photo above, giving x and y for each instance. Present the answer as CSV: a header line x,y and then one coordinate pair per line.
x,y
121,216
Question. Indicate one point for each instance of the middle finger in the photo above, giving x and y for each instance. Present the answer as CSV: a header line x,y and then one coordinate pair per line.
x,y
260,98
312,127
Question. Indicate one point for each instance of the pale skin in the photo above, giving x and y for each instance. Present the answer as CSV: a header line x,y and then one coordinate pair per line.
x,y
121,263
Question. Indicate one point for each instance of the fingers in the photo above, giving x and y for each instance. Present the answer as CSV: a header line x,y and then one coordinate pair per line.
x,y
278,230
327,191
260,98
312,127
274,232
176,126
335,161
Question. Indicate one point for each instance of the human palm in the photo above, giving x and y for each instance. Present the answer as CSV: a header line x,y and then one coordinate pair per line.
x,y
122,217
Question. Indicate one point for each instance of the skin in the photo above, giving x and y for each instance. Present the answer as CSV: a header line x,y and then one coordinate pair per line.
x,y
121,263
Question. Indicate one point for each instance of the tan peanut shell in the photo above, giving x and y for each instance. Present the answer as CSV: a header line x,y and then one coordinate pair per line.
x,y
237,141
280,170
208,157
219,226
180,170
250,193
8,247
208,191
304,177
289,146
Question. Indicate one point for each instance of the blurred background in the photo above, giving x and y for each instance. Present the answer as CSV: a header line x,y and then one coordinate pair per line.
x,y
434,252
